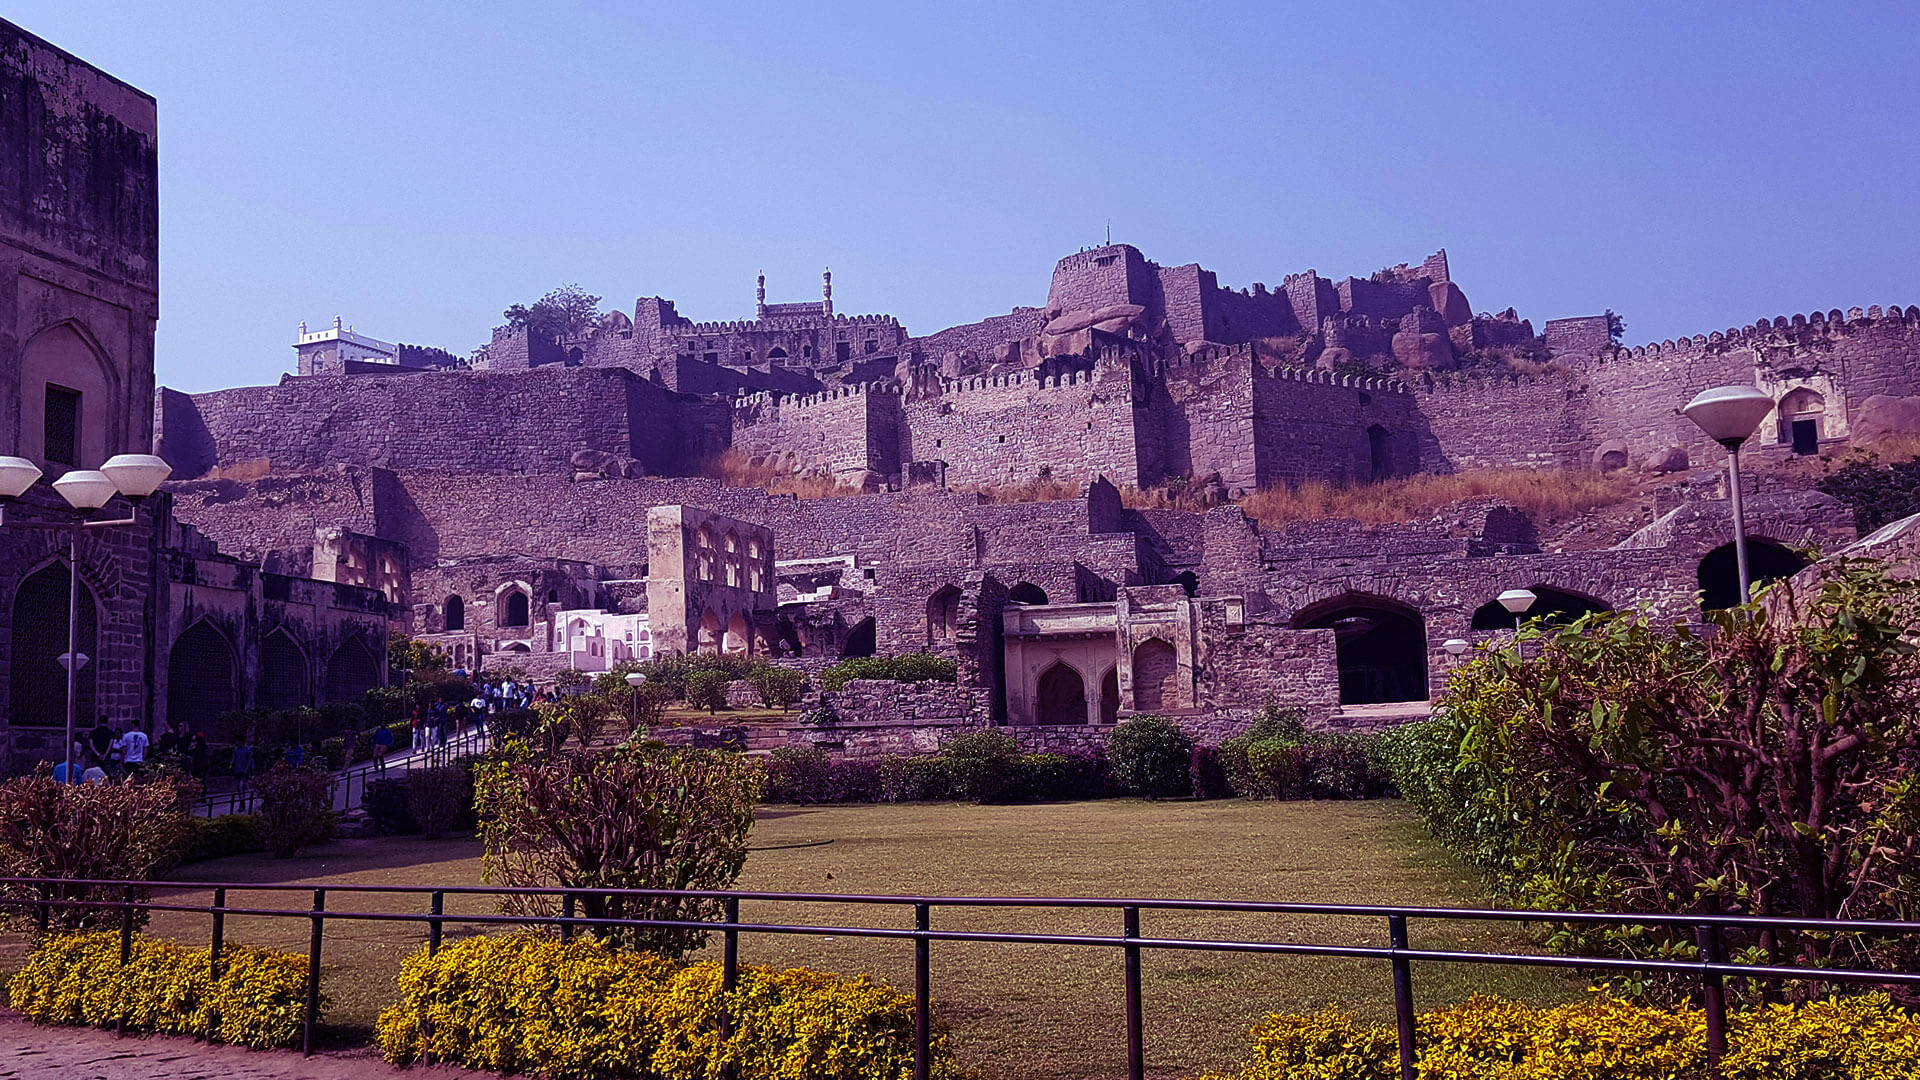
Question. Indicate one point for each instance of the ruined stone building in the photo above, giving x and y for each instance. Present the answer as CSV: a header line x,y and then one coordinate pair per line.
x,y
1063,615
172,627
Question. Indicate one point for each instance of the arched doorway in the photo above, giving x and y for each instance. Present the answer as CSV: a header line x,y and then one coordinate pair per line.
x,y
1379,452
943,615
1026,593
1719,572
1156,672
738,635
860,640
708,640
1060,697
351,671
1110,696
456,610
1802,416
1555,607
201,677
1381,647
37,681
284,682
514,609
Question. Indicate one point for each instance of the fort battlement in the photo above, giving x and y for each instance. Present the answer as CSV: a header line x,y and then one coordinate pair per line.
x,y
1830,323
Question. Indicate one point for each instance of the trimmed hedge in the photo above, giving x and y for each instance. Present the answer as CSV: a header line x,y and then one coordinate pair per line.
x,y
905,667
77,979
800,774
1601,1038
219,837
537,1005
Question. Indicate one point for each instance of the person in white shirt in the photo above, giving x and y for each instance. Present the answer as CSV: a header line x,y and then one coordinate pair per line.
x,y
133,749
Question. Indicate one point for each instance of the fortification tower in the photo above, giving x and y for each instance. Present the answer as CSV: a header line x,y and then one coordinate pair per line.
x,y
760,296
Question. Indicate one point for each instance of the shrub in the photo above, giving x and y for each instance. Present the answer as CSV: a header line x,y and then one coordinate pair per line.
x,y
219,837
905,667
296,807
985,766
1150,756
1765,768
1064,776
1601,1038
633,817
799,774
915,778
385,802
583,1009
437,796
779,687
856,781
123,831
1207,775
257,1000
707,690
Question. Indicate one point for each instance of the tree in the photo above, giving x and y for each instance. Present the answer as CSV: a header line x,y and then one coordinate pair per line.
x,y
632,817
121,831
406,654
1768,767
564,312
1616,327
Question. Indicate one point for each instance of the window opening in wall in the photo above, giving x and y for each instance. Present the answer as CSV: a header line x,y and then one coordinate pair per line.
x,y
1806,436
456,613
1379,645
62,425
842,351
711,358
514,611
872,346
1379,452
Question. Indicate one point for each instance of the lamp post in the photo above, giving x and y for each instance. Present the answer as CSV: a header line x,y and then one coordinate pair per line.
x,y
634,679
134,476
1517,601
1729,415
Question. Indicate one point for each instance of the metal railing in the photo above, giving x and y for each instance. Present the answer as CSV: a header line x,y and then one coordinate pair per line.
x,y
1711,969
350,784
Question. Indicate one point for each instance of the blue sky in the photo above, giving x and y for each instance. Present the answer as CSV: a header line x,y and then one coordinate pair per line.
x,y
416,167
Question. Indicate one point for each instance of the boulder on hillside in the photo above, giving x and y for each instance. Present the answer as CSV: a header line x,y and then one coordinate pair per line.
x,y
1883,416
1671,460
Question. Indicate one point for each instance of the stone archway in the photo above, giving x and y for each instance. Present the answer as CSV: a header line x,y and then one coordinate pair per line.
x,y
1555,607
37,683
943,615
1110,696
285,681
1060,697
351,671
202,677
708,638
739,635
1381,646
1156,676
1026,593
1719,571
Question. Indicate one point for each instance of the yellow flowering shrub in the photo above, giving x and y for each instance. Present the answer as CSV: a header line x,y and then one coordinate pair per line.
x,y
523,1003
258,1000
1600,1038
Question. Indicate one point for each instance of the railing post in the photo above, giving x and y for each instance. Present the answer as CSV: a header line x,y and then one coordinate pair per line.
x,y
566,917
313,972
1136,1033
922,993
126,950
44,917
1402,994
433,924
729,979
1713,994
213,951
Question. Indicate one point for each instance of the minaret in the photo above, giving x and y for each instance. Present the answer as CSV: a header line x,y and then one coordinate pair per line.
x,y
760,296
826,292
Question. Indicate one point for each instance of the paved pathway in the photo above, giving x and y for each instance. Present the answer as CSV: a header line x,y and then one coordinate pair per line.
x,y
61,1053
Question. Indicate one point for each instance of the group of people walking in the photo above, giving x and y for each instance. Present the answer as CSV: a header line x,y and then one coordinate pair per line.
x,y
109,753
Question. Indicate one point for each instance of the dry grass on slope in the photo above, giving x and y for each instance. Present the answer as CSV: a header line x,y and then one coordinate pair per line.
x,y
1543,494
736,469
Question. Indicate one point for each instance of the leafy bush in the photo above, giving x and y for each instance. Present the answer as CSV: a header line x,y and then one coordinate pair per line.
x,y
1276,758
915,778
905,667
707,690
1876,493
123,831
799,774
296,807
673,672
1207,775
219,837
438,797
633,817
1064,776
258,998
1150,756
779,687
583,1009
985,766
385,802
1766,768
1601,1038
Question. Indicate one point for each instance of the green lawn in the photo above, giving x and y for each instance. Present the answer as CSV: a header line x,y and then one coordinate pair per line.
x,y
1017,1011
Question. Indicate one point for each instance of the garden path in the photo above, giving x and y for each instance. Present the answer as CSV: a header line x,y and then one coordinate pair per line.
x,y
51,1053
